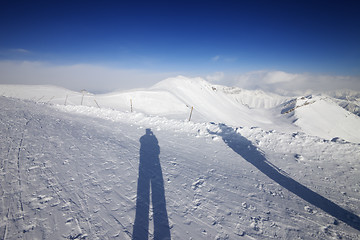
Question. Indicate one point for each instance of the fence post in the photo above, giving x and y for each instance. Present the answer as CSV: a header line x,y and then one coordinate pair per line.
x,y
82,98
66,99
50,99
192,108
131,107
96,103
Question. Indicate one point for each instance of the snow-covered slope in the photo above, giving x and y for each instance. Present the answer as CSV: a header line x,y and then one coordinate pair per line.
x,y
321,116
41,93
160,103
212,105
253,98
72,172
174,97
348,99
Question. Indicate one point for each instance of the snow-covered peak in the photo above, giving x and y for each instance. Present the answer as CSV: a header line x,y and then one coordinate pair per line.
x,y
180,82
212,103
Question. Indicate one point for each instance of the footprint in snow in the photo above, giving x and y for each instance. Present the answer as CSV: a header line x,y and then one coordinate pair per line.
x,y
197,184
310,210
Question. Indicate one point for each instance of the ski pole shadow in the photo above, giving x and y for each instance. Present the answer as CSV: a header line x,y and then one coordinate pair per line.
x,y
250,153
150,177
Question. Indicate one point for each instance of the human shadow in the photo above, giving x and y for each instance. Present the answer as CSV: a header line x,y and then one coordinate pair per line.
x,y
150,176
250,153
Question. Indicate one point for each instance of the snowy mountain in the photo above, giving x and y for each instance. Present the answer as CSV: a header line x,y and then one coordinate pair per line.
x,y
317,115
249,165
349,100
322,116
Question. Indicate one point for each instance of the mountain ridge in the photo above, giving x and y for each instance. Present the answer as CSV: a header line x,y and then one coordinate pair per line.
x,y
174,98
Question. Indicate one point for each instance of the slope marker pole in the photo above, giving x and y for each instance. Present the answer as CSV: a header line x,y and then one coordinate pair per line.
x,y
40,98
192,108
50,99
96,103
82,98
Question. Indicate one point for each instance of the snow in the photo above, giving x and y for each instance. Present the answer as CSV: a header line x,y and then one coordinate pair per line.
x,y
212,105
322,116
318,119
39,93
173,98
72,171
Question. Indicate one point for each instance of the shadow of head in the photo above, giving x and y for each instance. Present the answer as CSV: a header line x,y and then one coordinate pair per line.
x,y
149,132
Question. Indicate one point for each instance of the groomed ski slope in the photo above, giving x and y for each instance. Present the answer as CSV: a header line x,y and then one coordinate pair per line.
x,y
71,172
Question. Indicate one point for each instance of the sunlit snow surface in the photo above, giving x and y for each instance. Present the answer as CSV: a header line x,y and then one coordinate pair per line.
x,y
71,172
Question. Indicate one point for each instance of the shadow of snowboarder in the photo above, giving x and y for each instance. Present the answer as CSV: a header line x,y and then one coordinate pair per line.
x,y
150,176
250,153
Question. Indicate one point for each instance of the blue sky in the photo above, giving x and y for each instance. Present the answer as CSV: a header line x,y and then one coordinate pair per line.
x,y
184,37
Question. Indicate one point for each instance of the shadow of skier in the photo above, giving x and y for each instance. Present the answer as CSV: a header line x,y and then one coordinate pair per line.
x,y
150,176
250,153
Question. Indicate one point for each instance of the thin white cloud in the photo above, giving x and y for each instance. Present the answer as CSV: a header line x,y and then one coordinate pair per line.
x,y
79,76
215,77
289,83
20,50
215,58
279,77
14,52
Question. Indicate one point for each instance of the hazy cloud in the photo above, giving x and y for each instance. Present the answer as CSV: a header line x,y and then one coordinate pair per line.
x,y
14,52
76,77
215,77
215,59
98,78
289,83
20,50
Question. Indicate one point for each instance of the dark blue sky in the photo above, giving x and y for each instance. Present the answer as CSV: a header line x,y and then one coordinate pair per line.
x,y
186,36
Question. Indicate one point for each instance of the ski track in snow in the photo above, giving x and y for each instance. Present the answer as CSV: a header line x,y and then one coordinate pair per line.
x,y
70,172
